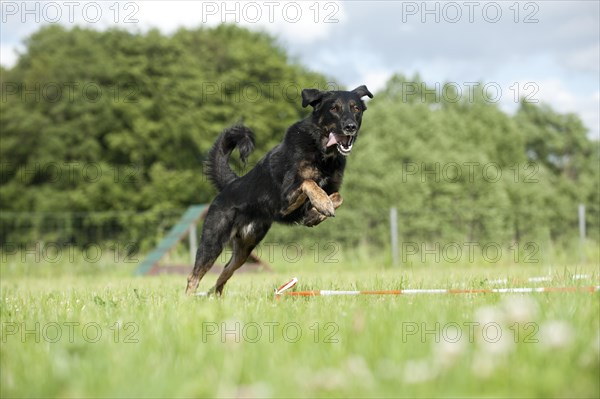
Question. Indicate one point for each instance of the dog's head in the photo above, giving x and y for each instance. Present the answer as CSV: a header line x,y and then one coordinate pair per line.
x,y
338,114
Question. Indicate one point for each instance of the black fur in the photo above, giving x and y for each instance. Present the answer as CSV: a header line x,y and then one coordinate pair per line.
x,y
296,182
218,169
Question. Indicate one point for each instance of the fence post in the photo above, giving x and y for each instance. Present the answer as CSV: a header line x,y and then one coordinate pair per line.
x,y
394,234
193,242
582,233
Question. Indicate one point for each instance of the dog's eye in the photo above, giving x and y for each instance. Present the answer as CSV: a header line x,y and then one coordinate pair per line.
x,y
356,108
334,108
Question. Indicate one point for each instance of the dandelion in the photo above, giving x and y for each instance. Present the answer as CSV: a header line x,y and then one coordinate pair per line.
x,y
358,323
447,352
521,309
357,366
418,371
556,334
483,366
489,314
591,357
495,340
257,390
388,369
328,379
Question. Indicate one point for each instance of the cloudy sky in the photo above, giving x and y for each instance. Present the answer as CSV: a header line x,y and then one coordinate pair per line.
x,y
548,51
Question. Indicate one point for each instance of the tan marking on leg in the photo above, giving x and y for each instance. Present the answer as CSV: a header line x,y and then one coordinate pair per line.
x,y
192,284
313,217
318,198
337,199
297,198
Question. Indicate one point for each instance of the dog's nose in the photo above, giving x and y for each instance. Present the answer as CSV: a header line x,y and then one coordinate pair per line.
x,y
350,128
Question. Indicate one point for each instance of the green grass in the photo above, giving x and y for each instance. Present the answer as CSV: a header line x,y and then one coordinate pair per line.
x,y
155,342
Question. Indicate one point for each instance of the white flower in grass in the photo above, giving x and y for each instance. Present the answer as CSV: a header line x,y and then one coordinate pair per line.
x,y
449,351
388,369
357,366
491,332
495,339
590,358
483,365
328,379
231,332
489,314
418,371
257,390
358,322
521,309
556,334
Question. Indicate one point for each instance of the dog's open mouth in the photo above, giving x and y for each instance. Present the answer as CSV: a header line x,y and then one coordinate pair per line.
x,y
344,143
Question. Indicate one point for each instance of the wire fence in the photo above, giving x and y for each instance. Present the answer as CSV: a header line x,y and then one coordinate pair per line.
x,y
145,229
418,236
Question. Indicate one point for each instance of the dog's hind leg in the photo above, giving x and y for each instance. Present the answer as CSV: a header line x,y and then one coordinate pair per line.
x,y
215,235
243,244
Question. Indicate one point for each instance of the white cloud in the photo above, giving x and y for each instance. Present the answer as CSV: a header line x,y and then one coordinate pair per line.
x,y
374,79
563,100
584,59
366,42
295,22
579,26
314,21
8,55
169,16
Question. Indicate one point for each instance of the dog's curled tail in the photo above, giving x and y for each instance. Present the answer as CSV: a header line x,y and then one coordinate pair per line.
x,y
218,169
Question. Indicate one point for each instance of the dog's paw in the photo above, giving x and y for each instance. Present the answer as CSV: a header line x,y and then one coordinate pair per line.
x,y
318,198
325,206
313,218
192,285
215,291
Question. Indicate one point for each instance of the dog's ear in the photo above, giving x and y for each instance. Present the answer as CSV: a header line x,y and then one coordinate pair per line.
x,y
362,91
312,97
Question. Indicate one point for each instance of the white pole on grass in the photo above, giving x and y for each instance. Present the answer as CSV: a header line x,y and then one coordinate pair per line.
x,y
394,234
582,232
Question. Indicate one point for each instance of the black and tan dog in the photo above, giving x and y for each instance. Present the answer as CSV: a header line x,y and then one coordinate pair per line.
x,y
296,182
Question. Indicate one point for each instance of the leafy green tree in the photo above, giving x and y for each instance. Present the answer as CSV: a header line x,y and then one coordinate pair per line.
x,y
115,121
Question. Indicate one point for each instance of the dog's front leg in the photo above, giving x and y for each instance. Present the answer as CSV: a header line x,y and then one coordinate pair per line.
x,y
314,217
318,198
315,194
296,198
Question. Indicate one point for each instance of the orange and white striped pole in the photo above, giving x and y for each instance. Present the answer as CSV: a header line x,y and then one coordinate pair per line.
x,y
283,288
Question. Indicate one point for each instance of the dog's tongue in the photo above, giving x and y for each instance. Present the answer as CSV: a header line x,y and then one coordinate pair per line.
x,y
332,140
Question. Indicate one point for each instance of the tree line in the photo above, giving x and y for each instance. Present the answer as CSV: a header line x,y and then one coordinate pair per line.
x,y
121,122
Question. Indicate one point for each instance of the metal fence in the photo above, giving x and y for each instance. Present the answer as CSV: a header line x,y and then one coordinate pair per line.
x,y
145,229
84,228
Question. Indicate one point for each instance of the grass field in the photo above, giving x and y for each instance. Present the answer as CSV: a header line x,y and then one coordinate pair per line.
x,y
103,333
